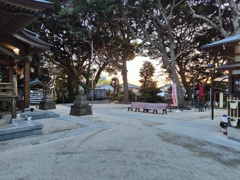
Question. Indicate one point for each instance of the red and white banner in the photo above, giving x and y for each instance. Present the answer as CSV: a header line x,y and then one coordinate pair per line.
x,y
201,90
174,94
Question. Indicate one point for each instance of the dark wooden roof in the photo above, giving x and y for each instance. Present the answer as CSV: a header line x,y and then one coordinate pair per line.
x,y
226,46
26,41
32,39
230,66
35,83
227,40
17,14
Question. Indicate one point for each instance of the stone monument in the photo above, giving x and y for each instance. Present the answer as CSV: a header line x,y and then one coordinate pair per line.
x,y
81,106
47,102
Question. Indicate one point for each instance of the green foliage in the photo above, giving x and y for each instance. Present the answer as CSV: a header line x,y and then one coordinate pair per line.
x,y
104,82
116,85
109,92
132,96
41,68
146,73
149,88
62,84
150,94
71,25
172,32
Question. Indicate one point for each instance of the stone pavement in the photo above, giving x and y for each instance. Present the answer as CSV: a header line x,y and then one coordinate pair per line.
x,y
114,143
190,123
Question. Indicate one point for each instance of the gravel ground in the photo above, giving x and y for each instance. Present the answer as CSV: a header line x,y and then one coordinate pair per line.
x,y
132,148
53,125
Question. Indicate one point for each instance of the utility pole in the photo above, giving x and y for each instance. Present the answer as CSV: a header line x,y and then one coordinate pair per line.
x,y
92,71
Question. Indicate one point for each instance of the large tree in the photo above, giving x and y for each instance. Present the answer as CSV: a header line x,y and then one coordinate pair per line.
x,y
220,17
75,32
88,37
149,87
105,29
223,15
171,34
64,29
161,25
116,43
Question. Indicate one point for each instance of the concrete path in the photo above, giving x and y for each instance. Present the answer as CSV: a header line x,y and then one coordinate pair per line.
x,y
115,143
188,122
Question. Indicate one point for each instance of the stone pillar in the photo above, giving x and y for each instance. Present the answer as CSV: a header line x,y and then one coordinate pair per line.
x,y
81,106
237,53
47,102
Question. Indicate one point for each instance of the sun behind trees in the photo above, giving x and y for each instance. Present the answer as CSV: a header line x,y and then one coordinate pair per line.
x,y
149,87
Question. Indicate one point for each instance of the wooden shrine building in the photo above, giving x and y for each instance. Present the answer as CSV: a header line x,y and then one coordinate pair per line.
x,y
17,44
230,46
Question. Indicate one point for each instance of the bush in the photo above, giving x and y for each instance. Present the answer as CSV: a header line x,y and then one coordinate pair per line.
x,y
118,98
132,96
150,95
154,99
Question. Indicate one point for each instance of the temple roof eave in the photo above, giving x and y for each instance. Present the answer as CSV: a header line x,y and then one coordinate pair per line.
x,y
16,15
12,55
27,37
227,40
230,66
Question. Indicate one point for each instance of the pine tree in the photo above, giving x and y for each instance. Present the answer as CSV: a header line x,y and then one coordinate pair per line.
x,y
146,73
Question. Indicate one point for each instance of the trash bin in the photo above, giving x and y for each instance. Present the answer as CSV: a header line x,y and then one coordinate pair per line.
x,y
224,123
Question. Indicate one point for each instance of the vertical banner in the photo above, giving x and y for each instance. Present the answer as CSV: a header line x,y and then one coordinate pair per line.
x,y
174,94
200,90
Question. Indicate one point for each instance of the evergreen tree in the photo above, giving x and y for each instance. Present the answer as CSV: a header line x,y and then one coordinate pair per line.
x,y
149,87
146,73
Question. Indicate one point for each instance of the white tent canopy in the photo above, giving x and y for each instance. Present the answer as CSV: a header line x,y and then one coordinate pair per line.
x,y
223,79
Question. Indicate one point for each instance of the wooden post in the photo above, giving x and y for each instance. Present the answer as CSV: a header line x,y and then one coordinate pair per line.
x,y
10,72
26,84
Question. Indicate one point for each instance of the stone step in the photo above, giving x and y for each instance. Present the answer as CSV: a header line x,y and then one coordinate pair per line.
x,y
18,129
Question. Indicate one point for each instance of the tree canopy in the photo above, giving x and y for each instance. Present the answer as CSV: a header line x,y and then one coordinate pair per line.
x,y
90,36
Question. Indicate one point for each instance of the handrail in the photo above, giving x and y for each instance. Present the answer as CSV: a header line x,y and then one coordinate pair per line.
x,y
8,93
8,89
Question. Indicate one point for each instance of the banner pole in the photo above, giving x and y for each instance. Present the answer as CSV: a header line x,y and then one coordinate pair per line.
x,y
174,96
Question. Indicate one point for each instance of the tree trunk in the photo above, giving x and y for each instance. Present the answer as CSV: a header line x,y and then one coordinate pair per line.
x,y
71,94
125,82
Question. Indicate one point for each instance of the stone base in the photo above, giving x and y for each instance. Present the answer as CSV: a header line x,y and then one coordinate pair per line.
x,y
80,110
47,105
19,129
233,133
39,114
